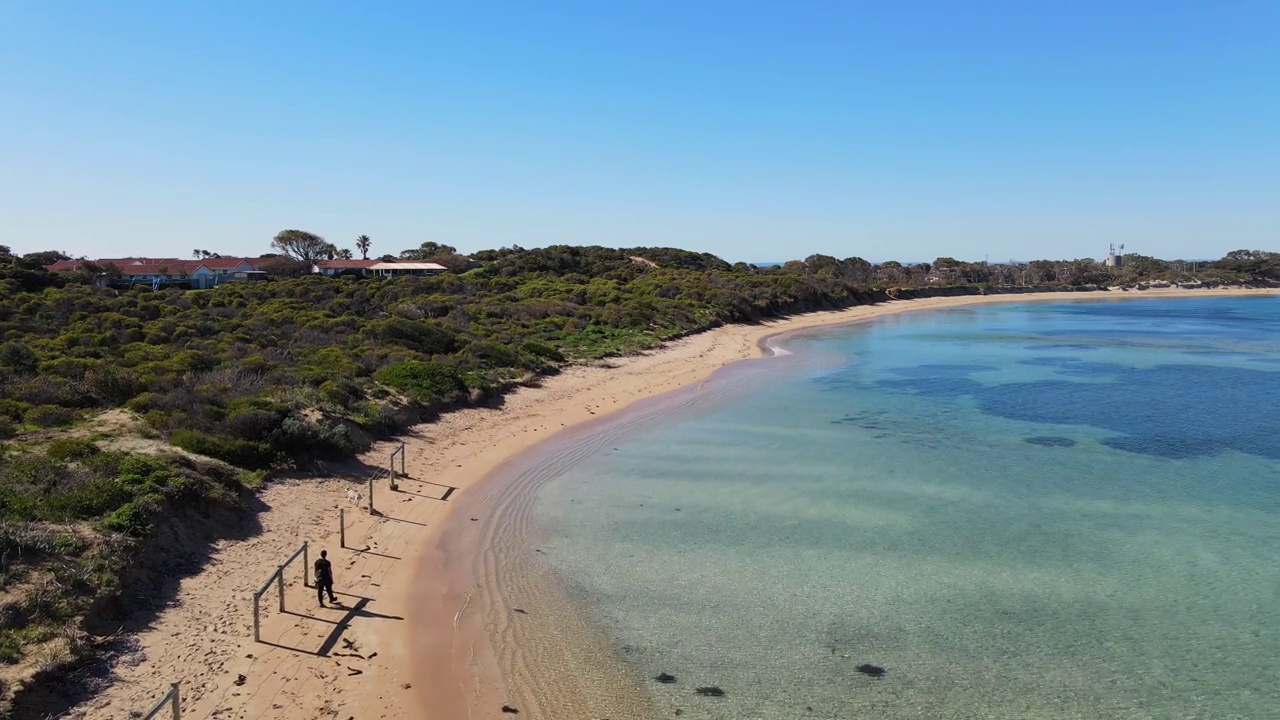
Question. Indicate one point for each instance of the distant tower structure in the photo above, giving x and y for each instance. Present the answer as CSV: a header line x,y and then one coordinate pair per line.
x,y
1115,257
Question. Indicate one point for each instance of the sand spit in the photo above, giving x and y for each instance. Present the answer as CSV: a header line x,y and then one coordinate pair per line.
x,y
410,642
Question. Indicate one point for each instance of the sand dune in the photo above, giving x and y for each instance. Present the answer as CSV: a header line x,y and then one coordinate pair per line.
x,y
356,661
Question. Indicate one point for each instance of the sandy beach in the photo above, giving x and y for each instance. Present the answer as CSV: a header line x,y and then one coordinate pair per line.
x,y
421,634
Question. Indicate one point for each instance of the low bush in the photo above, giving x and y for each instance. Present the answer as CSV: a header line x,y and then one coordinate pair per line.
x,y
244,453
429,383
135,518
12,410
302,439
71,449
113,385
430,338
50,416
376,418
339,391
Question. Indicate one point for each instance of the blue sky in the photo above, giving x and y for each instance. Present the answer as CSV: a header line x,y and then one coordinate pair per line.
x,y
755,130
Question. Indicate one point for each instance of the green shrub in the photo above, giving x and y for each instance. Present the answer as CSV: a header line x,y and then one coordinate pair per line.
x,y
10,646
252,479
68,544
301,440
156,419
245,453
85,500
17,357
426,337
252,423
339,391
491,354
429,383
113,385
377,419
50,416
71,449
13,410
542,350
141,403
146,471
7,430
134,518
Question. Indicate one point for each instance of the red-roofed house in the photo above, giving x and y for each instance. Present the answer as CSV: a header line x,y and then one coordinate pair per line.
x,y
337,267
199,274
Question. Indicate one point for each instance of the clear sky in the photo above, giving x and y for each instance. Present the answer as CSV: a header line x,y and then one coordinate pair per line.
x,y
755,130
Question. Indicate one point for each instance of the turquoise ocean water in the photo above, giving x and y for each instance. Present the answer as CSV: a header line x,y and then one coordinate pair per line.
x,y
1048,510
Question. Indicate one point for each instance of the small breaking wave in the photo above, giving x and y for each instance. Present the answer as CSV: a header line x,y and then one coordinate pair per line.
x,y
776,350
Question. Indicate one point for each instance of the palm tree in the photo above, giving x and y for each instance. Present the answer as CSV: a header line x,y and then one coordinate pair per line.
x,y
343,254
331,251
362,244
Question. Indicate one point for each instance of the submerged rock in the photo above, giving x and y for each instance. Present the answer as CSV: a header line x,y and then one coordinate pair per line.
x,y
665,679
872,670
710,691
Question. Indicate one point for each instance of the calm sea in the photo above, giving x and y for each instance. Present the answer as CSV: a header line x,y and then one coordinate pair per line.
x,y
1048,510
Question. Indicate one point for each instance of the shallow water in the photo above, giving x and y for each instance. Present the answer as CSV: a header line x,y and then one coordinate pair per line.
x,y
1043,510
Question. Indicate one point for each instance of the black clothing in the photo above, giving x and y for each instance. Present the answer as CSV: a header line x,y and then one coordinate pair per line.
x,y
323,586
324,580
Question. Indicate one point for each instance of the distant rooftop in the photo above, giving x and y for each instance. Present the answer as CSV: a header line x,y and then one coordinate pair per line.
x,y
406,266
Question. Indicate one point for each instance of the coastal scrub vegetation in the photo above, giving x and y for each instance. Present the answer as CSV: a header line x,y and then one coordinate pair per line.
x,y
260,376
279,373
85,531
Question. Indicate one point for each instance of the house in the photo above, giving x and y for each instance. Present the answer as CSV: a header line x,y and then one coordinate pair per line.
x,y
338,267
197,274
377,268
401,269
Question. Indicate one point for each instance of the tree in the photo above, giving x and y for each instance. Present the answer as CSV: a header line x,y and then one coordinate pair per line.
x,y
343,254
428,250
362,244
285,266
45,257
1245,255
302,246
204,254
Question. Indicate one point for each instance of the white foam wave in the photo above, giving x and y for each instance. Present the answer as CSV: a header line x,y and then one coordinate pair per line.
x,y
776,350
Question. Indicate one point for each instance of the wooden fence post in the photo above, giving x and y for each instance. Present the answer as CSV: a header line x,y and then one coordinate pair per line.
x,y
342,527
280,585
177,707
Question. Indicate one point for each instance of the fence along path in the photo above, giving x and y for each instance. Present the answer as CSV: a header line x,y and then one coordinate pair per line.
x,y
303,657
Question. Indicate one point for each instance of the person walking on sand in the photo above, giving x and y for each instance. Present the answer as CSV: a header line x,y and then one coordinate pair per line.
x,y
324,578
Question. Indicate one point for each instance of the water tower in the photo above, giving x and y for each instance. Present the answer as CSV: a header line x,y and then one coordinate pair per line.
x,y
1115,256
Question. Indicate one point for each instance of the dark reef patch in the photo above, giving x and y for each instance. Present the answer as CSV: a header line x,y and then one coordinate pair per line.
x,y
941,371
1050,441
1208,409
